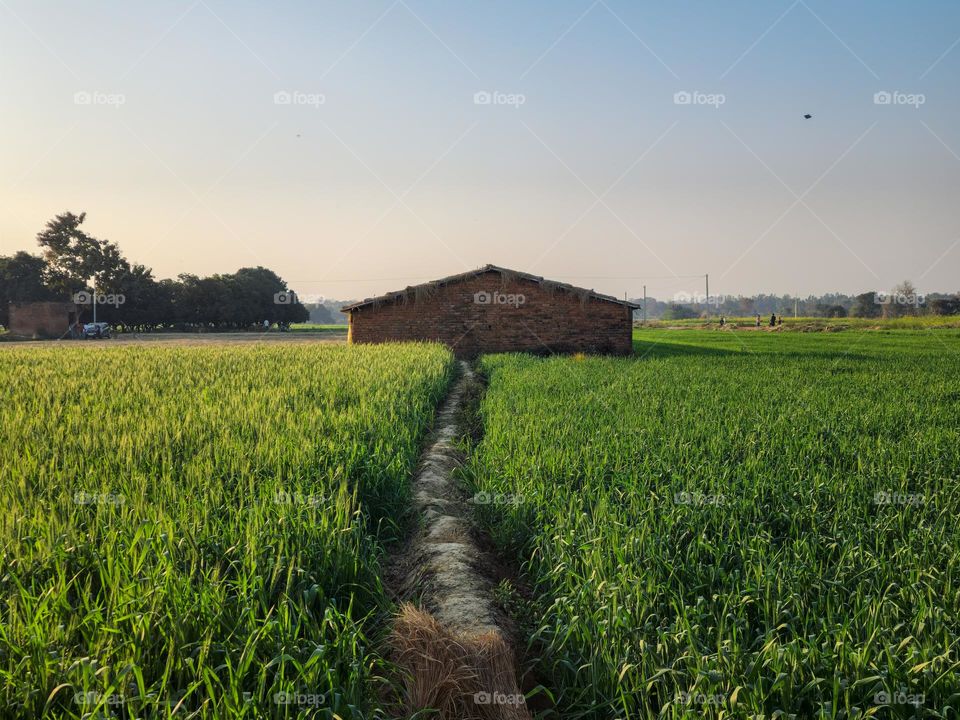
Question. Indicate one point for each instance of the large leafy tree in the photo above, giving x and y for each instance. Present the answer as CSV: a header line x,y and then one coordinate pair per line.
x,y
74,258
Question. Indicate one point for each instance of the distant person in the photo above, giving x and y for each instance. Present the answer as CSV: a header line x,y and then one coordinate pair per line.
x,y
773,320
780,320
758,319
722,321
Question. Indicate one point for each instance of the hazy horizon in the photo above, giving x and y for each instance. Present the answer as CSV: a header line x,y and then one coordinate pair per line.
x,y
356,148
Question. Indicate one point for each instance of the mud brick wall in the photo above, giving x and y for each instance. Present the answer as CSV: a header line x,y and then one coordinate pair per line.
x,y
546,321
40,319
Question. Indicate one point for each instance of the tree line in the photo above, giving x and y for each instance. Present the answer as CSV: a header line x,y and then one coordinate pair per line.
x,y
904,300
75,266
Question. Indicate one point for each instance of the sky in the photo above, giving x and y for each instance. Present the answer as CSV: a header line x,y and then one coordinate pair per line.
x,y
361,146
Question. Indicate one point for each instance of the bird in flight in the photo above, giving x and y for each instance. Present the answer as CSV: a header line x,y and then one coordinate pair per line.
x,y
807,116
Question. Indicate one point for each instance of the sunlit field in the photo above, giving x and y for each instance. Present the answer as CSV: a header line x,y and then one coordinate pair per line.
x,y
734,524
814,324
196,532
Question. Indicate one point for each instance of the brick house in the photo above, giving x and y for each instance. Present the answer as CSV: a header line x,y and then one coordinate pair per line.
x,y
42,319
494,309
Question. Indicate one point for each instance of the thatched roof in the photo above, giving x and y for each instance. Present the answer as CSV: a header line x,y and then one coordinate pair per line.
x,y
426,289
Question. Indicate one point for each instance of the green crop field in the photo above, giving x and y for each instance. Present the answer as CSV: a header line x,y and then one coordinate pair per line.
x,y
727,524
195,532
733,524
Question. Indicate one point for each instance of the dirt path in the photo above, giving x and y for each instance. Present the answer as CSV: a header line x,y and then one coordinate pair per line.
x,y
449,637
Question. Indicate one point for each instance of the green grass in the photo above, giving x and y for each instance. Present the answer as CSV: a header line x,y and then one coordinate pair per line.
x,y
705,525
311,328
202,526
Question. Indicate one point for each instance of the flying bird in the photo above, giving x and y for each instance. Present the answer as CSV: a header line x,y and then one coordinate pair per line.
x,y
807,117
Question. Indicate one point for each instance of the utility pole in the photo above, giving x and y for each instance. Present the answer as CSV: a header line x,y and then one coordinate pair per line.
x,y
707,299
794,308
644,304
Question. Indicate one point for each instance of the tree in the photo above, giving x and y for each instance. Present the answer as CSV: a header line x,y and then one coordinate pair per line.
x,y
866,306
320,314
241,300
22,280
679,312
73,257
831,311
945,306
905,300
146,303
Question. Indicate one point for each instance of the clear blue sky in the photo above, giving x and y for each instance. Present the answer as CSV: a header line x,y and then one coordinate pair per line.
x,y
160,120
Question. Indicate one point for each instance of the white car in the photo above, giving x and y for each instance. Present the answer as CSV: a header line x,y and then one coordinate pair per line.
x,y
96,330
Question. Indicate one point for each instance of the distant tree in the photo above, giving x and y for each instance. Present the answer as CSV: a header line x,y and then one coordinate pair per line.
x,y
904,300
320,314
146,302
945,306
866,306
246,298
22,279
831,311
679,312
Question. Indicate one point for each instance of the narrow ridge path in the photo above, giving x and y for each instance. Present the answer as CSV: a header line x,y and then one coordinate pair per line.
x,y
449,637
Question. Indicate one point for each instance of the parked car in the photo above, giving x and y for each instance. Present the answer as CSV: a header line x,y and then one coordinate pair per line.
x,y
96,330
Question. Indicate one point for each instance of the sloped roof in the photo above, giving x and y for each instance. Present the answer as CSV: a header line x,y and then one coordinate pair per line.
x,y
406,292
